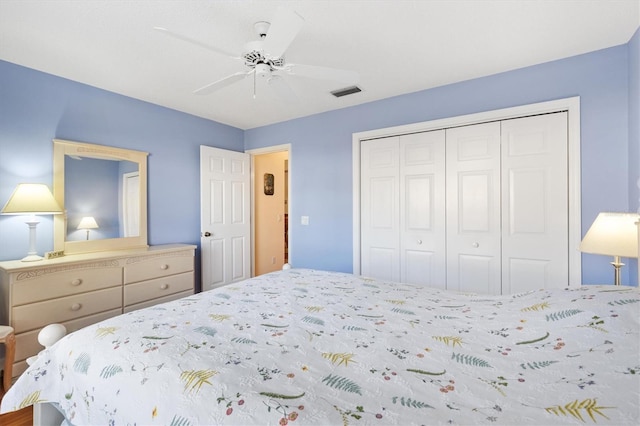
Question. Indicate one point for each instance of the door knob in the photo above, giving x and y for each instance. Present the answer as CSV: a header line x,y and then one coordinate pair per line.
x,y
207,234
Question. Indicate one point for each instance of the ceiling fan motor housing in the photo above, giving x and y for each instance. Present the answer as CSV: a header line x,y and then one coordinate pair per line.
x,y
263,70
254,57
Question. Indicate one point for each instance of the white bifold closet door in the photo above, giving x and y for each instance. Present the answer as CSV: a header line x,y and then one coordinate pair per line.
x,y
473,208
379,200
480,208
507,205
402,200
535,207
422,208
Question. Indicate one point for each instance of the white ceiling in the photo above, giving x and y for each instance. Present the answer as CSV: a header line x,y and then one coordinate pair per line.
x,y
396,46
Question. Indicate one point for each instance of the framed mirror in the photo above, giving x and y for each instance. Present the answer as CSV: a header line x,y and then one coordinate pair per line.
x,y
103,191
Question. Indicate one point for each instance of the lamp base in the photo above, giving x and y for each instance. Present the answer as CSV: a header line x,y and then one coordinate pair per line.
x,y
31,258
32,254
616,270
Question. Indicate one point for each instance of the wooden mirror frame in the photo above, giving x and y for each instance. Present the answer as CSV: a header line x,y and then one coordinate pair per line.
x,y
80,149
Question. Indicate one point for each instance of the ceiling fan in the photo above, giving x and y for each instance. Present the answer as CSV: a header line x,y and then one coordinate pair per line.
x,y
264,57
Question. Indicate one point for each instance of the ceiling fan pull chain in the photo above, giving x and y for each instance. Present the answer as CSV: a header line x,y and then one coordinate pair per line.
x,y
254,85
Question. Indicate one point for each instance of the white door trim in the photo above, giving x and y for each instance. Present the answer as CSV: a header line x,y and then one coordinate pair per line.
x,y
571,105
130,205
261,151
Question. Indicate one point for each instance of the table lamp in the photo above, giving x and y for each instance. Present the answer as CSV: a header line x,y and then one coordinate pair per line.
x,y
613,234
88,222
31,199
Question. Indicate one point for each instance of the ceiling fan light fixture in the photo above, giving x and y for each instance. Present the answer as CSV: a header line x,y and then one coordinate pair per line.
x,y
263,70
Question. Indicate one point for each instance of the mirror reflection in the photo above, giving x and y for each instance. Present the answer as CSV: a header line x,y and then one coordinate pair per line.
x,y
101,198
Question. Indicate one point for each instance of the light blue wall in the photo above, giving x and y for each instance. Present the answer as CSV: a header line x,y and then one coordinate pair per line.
x,y
37,107
321,147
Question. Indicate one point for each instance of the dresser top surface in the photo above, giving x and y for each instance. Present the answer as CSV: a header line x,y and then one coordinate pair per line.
x,y
17,265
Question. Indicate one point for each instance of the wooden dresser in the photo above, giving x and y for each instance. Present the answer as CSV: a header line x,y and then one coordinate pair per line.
x,y
82,289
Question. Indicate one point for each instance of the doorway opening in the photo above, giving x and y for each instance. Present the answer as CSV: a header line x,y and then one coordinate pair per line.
x,y
270,208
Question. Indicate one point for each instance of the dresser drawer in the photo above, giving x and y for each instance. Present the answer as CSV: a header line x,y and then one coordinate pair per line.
x,y
37,315
44,284
158,266
157,301
152,289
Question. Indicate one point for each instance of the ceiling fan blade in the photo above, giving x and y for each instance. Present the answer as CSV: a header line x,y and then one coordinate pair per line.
x,y
196,42
216,85
285,26
323,73
283,90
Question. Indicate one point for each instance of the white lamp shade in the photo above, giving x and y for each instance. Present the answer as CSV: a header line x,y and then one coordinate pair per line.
x,y
613,234
31,198
87,222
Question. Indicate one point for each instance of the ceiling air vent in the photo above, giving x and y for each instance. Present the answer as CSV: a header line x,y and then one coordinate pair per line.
x,y
346,91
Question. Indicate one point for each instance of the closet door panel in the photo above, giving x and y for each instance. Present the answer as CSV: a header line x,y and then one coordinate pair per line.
x,y
380,208
422,209
523,271
474,201
473,208
535,210
382,263
475,273
418,196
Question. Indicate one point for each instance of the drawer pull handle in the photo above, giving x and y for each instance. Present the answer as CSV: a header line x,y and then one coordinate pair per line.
x,y
77,281
164,267
164,286
76,306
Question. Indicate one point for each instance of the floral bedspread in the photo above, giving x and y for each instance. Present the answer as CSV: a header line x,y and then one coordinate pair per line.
x,y
314,347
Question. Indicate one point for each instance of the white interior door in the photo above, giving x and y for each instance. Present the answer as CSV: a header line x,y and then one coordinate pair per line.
x,y
473,208
535,218
380,206
422,209
225,217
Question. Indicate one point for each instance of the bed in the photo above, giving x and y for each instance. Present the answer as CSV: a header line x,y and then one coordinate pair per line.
x,y
313,347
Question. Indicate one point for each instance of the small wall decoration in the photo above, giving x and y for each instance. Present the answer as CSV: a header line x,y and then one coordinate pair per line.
x,y
268,184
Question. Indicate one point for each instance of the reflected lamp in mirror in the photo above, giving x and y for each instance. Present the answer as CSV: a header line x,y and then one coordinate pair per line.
x,y
613,234
31,199
88,223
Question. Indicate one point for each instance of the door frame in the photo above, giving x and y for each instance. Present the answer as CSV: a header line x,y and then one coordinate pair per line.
x,y
261,151
571,105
